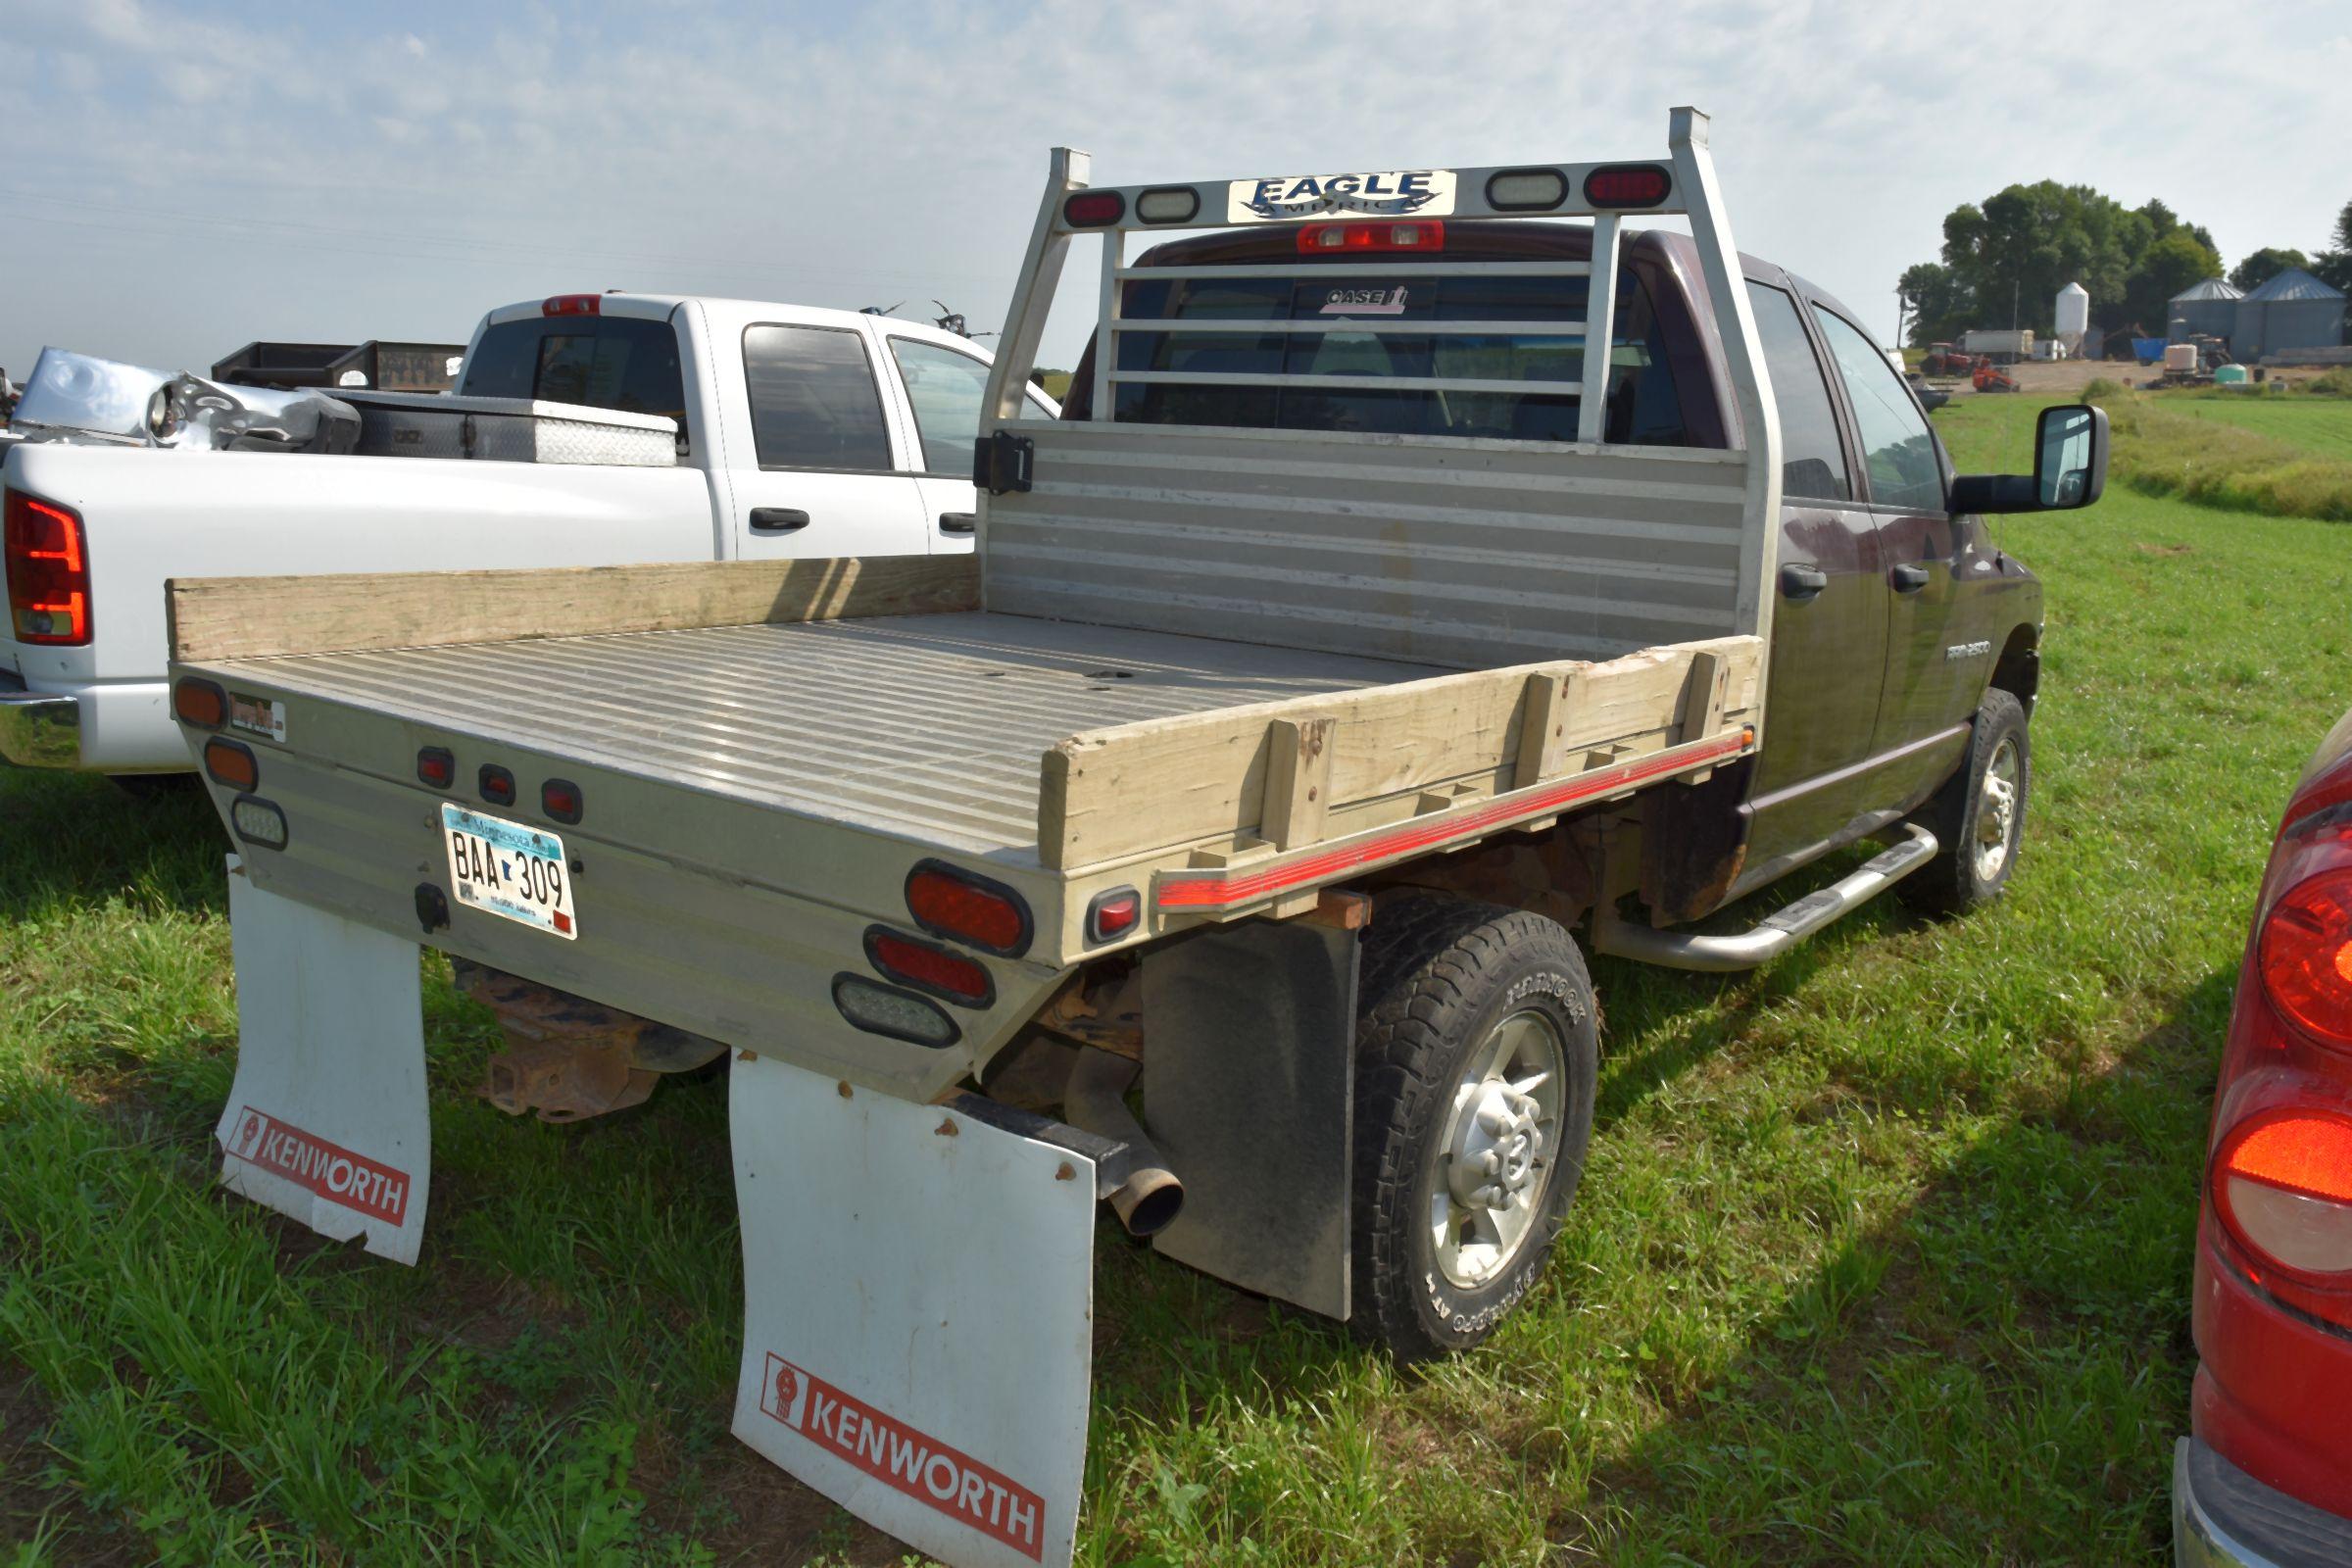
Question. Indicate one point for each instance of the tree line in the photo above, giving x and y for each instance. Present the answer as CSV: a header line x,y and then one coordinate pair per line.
x,y
2005,260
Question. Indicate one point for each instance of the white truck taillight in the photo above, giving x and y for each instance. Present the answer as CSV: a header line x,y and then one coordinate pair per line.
x,y
48,567
2283,1184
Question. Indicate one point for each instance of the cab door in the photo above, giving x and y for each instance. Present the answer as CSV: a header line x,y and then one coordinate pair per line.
x,y
1935,673
1828,632
817,469
942,388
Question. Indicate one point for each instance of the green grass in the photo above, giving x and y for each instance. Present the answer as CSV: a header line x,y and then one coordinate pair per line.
x,y
1882,1254
2285,455
2319,426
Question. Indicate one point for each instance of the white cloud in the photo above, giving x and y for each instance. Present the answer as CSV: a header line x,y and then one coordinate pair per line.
x,y
352,181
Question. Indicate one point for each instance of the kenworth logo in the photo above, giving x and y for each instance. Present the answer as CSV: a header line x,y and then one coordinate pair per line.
x,y
1390,193
333,1172
896,1454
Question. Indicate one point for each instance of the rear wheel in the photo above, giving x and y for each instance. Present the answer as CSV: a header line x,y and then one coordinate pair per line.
x,y
1476,1048
1978,817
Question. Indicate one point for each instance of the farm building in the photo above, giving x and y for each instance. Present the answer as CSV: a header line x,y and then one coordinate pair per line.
x,y
2202,310
2292,310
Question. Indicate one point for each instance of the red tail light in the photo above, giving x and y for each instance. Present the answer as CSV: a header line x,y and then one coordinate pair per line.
x,y
1323,239
48,574
928,968
2283,1184
948,901
1627,186
200,703
1092,209
2306,957
571,305
1113,913
231,764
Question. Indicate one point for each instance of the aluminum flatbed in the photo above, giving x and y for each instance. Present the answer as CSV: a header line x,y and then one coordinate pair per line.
x,y
925,727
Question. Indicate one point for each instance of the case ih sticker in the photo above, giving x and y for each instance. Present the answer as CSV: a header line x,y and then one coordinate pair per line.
x,y
256,716
891,1452
333,1172
1389,193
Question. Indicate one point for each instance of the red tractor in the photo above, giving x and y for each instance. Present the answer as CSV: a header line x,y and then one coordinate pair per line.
x,y
1990,377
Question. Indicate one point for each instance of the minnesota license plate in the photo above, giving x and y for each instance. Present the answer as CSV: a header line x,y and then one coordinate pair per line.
x,y
509,870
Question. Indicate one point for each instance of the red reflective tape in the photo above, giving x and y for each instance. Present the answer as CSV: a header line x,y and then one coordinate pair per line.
x,y
336,1173
894,1453
1211,891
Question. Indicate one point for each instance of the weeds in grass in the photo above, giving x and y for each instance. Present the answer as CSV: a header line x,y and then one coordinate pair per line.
x,y
2214,450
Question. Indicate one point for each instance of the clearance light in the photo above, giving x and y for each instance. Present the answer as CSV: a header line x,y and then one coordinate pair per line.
x,y
232,764
48,573
496,784
1093,208
949,902
436,768
2306,957
920,965
258,822
1627,186
571,305
1324,239
1167,204
1526,190
2283,1184
1113,914
879,1009
200,703
561,800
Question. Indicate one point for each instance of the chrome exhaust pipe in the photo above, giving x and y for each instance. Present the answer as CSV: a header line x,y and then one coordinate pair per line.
x,y
1095,1101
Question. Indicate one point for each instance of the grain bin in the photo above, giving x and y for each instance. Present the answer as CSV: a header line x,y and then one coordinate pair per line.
x,y
2202,310
2074,318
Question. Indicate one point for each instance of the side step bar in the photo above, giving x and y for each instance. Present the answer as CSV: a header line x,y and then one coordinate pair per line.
x,y
1683,949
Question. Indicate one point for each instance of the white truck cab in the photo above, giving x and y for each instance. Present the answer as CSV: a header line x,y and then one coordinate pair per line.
x,y
803,432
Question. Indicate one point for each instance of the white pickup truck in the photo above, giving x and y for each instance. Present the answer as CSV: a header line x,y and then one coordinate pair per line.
x,y
803,432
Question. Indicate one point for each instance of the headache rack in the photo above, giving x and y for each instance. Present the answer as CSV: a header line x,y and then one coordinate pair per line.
x,y
1044,559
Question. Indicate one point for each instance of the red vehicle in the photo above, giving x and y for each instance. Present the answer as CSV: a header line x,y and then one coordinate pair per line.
x,y
2264,1477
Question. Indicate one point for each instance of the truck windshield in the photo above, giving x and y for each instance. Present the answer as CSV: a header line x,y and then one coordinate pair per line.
x,y
1642,405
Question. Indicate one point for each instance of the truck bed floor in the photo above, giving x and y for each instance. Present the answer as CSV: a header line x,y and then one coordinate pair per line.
x,y
924,725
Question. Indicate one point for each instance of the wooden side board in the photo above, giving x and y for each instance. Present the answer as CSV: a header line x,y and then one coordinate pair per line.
x,y
1278,771
263,618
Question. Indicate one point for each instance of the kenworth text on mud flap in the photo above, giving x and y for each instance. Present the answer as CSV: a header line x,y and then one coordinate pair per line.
x,y
1359,633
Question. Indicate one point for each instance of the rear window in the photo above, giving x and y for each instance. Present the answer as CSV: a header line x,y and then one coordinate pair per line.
x,y
1522,385
608,361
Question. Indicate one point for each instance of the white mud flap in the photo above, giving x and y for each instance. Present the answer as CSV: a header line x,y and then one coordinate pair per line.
x,y
917,1314
326,1122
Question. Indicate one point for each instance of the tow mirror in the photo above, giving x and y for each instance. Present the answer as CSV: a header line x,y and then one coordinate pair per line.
x,y
2070,467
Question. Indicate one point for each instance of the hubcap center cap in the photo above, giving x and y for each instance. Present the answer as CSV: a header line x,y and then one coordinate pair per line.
x,y
1495,1157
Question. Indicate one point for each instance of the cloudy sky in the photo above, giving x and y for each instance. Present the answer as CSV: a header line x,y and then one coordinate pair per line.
x,y
177,180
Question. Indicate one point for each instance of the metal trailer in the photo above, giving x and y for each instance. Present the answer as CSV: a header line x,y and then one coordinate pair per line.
x,y
2003,345
1123,761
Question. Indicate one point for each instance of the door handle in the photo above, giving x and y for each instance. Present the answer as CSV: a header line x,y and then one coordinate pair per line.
x,y
1803,582
1908,578
958,522
778,519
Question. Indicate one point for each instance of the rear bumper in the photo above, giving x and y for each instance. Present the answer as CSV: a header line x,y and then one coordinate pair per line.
x,y
37,728
2225,1518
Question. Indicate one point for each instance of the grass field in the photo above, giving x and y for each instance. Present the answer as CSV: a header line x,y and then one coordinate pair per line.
x,y
1881,1254
2287,454
2318,425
